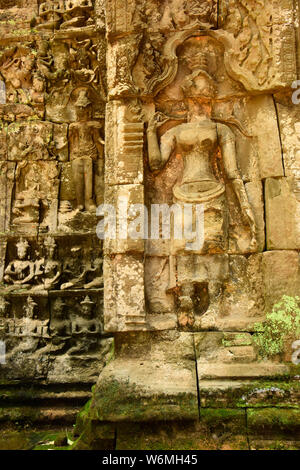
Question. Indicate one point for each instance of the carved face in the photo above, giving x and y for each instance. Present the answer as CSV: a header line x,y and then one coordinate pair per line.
x,y
83,112
59,308
50,251
86,310
22,251
30,311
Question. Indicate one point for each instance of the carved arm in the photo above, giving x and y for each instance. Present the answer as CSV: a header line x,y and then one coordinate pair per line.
x,y
227,142
159,155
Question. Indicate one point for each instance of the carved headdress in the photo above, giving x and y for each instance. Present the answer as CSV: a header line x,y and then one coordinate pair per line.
x,y
87,301
50,242
22,244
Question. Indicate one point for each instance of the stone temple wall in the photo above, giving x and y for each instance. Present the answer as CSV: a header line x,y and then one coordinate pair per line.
x,y
53,95
153,102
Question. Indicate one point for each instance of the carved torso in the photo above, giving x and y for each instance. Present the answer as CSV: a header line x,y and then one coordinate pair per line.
x,y
197,143
82,144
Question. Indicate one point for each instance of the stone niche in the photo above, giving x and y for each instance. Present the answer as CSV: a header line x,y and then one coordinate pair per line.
x,y
157,103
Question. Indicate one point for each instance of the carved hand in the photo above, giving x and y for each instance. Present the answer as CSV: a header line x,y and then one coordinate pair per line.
x,y
157,120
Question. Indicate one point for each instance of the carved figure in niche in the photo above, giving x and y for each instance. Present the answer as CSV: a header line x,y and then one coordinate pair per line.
x,y
78,13
50,14
82,61
27,207
179,15
32,330
86,146
152,57
6,323
85,328
23,84
27,202
30,178
253,49
21,271
45,62
91,276
52,269
208,152
60,327
174,15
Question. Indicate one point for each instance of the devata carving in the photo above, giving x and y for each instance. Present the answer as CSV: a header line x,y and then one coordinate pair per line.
x,y
86,151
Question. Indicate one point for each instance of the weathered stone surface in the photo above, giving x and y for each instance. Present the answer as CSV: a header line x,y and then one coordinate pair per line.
x,y
124,298
281,275
281,214
127,220
151,379
151,103
279,420
125,143
231,355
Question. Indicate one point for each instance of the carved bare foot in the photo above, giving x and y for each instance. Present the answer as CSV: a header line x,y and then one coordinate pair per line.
x,y
90,206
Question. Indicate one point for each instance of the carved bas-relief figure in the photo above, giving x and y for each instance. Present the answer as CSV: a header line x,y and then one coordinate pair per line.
x,y
86,149
60,327
30,330
20,271
90,277
50,14
207,149
36,192
85,329
64,14
52,268
24,84
78,13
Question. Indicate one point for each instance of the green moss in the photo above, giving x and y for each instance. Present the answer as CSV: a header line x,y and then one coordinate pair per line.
x,y
240,339
82,418
233,420
277,393
117,401
273,419
281,325
27,440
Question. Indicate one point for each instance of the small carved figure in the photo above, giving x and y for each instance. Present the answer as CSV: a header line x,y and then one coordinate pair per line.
x,y
32,330
52,268
6,323
81,63
45,62
85,329
27,207
60,326
78,13
91,276
21,271
86,146
17,71
126,53
50,14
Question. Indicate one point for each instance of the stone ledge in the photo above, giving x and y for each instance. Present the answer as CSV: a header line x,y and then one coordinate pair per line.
x,y
139,390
